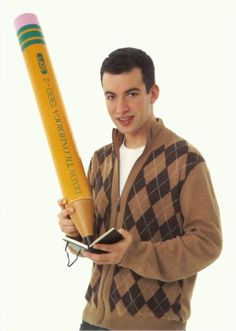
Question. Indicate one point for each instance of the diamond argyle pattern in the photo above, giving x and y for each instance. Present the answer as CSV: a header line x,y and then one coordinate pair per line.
x,y
101,183
153,210
152,213
134,295
92,291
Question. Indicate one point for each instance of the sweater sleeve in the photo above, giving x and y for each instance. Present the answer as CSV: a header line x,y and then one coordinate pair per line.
x,y
201,243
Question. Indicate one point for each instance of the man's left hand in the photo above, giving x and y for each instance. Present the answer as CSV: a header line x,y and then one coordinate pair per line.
x,y
115,252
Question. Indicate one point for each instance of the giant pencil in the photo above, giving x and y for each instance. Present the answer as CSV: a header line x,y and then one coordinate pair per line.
x,y
68,164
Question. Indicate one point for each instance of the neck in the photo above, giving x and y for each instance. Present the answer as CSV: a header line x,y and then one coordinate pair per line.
x,y
135,142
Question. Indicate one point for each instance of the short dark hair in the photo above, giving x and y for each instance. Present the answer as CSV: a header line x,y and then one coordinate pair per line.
x,y
125,59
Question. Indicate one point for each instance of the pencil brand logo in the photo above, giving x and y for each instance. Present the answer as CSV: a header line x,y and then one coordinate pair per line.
x,y
41,62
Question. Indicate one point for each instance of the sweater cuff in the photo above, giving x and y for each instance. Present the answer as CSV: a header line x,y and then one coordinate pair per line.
x,y
129,258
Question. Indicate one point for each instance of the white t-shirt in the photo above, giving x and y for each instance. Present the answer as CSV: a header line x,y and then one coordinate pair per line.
x,y
128,157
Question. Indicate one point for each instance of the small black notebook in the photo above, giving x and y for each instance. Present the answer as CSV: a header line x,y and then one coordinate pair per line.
x,y
112,236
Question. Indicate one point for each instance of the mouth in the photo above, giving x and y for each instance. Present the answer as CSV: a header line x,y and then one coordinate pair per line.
x,y
125,120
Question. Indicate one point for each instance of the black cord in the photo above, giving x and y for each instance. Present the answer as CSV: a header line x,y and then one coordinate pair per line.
x,y
69,264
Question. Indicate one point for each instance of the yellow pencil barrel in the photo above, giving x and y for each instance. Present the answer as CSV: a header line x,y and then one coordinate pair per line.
x,y
69,167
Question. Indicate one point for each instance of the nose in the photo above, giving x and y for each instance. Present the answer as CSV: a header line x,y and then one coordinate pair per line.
x,y
122,105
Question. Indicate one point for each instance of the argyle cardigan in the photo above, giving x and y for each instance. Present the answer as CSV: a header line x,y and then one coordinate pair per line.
x,y
169,207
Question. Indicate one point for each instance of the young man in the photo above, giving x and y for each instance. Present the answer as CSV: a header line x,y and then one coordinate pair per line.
x,y
155,188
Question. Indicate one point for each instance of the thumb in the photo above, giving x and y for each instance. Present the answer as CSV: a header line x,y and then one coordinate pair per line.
x,y
123,232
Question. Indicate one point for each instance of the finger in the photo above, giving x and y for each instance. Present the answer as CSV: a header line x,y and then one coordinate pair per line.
x,y
62,203
128,238
72,234
100,259
69,229
95,257
123,232
66,222
65,213
105,247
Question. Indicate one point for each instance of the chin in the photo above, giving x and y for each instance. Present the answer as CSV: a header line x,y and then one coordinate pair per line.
x,y
125,130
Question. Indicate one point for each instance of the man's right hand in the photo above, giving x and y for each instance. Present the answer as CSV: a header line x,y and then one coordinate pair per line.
x,y
65,221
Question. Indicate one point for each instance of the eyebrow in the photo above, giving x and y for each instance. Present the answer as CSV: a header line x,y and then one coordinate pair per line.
x,y
133,89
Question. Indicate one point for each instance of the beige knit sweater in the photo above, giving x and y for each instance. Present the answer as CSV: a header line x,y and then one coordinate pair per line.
x,y
169,207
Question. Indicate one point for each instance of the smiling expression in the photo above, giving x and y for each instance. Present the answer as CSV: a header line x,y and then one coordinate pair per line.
x,y
129,105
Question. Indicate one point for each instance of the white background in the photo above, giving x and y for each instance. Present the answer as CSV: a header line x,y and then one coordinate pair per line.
x,y
193,46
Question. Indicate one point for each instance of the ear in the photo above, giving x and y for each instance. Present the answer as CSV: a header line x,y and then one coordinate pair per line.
x,y
154,93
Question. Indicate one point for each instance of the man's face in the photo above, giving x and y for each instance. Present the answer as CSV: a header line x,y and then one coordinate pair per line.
x,y
129,105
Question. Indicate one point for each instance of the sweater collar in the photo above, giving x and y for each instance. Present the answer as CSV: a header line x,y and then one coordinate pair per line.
x,y
153,133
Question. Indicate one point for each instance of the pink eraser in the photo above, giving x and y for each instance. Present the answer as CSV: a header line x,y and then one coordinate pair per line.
x,y
25,19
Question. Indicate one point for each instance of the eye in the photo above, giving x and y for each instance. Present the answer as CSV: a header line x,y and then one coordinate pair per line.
x,y
132,94
110,96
